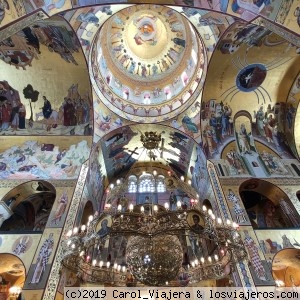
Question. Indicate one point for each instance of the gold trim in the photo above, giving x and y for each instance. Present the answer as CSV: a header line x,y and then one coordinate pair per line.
x,y
53,280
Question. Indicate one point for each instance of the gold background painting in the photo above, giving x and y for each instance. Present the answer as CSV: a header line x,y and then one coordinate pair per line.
x,y
9,240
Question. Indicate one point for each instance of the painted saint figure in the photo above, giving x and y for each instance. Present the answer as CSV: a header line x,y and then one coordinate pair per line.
x,y
61,208
238,210
255,259
42,260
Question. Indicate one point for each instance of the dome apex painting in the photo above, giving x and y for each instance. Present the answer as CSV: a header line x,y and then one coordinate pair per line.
x,y
149,61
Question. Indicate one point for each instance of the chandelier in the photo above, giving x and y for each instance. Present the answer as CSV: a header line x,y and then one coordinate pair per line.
x,y
153,243
154,254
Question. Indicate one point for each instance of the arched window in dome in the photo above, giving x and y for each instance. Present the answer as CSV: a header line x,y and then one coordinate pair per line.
x,y
132,184
146,183
160,184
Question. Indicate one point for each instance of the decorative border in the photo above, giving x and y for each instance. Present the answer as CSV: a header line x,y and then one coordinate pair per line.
x,y
220,198
56,183
53,280
21,23
280,182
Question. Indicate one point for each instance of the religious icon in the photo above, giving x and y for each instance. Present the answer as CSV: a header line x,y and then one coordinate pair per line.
x,y
103,226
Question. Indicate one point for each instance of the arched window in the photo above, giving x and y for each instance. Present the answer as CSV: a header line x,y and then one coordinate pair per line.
x,y
146,183
132,184
160,184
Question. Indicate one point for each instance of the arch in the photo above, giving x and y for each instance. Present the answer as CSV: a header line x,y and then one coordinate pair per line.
x,y
12,274
296,169
87,212
267,205
29,206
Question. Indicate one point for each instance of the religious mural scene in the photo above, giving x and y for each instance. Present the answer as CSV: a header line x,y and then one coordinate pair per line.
x,y
148,144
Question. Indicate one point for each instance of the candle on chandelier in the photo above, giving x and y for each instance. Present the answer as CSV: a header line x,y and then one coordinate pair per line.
x,y
130,207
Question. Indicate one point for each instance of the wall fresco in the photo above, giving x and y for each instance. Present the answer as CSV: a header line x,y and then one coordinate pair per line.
x,y
39,270
260,268
36,108
33,159
272,241
21,245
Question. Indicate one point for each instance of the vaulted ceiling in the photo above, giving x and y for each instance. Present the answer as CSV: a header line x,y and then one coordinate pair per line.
x,y
171,69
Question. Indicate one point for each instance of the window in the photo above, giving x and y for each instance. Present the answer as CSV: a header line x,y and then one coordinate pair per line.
x,y
146,183
132,184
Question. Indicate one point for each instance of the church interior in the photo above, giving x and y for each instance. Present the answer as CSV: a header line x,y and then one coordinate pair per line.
x,y
148,143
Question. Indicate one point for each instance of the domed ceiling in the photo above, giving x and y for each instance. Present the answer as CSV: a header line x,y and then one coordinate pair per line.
x,y
147,61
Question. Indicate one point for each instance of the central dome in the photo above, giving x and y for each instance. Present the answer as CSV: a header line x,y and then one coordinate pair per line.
x,y
144,59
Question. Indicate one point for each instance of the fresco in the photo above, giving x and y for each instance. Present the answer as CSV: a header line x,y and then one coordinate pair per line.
x,y
248,9
39,270
50,7
39,109
96,176
10,10
289,15
260,268
21,245
33,160
271,241
113,148
236,206
243,80
60,207
199,173
291,119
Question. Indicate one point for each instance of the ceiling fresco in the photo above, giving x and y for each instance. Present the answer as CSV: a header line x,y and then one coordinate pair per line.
x,y
35,100
150,65
196,67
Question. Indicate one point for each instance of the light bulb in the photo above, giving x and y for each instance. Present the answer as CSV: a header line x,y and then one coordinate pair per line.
x,y
204,208
219,221
118,181
83,228
119,207
131,207
209,259
81,253
119,268
228,222
115,265
202,259
178,204
182,178
108,264
123,269
216,257
154,172
101,263
166,205
189,182
111,185
142,209
75,230
69,233
155,208
91,218
94,262
209,211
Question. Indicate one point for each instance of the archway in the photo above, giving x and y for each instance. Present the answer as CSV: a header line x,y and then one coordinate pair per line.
x,y
267,205
12,276
27,206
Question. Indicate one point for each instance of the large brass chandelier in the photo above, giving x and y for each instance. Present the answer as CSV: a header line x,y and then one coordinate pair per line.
x,y
152,244
154,253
